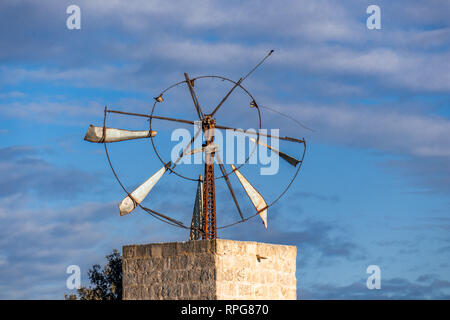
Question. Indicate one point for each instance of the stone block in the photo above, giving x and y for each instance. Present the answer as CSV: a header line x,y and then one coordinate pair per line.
x,y
128,251
156,250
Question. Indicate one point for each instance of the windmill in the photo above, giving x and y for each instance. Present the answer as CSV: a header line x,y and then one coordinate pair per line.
x,y
204,222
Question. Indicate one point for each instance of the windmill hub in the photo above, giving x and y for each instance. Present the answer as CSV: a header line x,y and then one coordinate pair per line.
x,y
208,122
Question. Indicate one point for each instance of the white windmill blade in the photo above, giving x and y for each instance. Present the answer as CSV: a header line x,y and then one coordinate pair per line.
x,y
197,215
95,134
288,158
256,198
209,148
127,205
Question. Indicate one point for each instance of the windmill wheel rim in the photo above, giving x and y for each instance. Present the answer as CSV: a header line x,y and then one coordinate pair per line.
x,y
193,79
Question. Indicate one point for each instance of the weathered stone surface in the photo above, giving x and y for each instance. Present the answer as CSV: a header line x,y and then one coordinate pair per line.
x,y
209,269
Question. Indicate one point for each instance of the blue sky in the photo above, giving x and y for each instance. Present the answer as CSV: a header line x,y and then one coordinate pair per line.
x,y
375,184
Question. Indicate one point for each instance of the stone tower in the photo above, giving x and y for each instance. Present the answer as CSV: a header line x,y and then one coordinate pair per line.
x,y
209,269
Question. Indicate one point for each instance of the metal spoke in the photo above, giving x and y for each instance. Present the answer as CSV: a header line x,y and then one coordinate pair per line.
x,y
151,117
261,134
291,160
194,97
179,223
226,96
239,83
186,148
227,180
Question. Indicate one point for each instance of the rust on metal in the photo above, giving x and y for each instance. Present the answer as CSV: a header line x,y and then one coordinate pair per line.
x,y
216,126
261,134
159,98
209,189
148,116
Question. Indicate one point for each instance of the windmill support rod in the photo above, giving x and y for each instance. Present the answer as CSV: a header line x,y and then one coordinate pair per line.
x,y
227,180
186,149
165,217
236,84
194,97
151,117
261,134
209,189
226,96
217,126
256,67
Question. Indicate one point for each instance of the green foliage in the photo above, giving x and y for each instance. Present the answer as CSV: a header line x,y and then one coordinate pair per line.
x,y
106,283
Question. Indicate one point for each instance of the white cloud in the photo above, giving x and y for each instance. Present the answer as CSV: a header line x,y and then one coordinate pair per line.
x,y
70,113
3,261
12,94
154,37
380,129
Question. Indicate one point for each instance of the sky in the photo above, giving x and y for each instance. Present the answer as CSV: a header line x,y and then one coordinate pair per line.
x,y
375,183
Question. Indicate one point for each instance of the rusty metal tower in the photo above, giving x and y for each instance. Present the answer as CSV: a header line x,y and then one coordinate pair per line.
x,y
209,225
209,189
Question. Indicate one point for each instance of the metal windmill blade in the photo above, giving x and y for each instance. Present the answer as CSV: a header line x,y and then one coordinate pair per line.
x,y
256,198
137,196
284,156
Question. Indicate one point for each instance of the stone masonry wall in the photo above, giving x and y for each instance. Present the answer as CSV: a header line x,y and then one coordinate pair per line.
x,y
255,270
209,269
